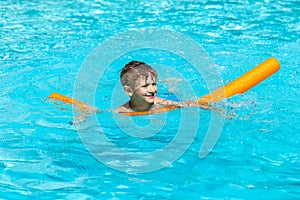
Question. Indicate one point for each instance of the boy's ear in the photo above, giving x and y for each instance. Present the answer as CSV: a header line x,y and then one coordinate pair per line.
x,y
128,90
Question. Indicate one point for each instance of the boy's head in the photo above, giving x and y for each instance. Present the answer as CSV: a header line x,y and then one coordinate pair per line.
x,y
136,75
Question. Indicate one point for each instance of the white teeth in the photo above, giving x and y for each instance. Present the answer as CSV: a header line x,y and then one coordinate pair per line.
x,y
152,94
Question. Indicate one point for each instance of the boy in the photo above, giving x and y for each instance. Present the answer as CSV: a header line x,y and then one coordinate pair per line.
x,y
139,83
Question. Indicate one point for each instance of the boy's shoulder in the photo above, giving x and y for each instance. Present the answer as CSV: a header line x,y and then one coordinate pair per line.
x,y
158,103
124,108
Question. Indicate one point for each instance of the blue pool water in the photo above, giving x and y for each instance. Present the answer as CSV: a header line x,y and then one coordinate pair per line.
x,y
45,43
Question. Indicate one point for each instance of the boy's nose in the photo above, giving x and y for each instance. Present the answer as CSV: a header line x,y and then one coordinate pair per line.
x,y
151,88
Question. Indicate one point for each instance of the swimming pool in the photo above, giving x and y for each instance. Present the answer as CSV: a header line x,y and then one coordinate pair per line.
x,y
43,47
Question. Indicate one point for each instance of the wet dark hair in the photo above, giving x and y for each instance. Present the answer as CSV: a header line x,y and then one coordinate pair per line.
x,y
130,66
136,69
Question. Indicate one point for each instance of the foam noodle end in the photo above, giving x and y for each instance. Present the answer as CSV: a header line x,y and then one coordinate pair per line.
x,y
244,82
69,100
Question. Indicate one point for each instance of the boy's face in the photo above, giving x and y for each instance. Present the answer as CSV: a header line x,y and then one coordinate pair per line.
x,y
144,89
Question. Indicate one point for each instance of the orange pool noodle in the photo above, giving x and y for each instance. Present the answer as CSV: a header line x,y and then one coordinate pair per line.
x,y
68,100
238,86
244,82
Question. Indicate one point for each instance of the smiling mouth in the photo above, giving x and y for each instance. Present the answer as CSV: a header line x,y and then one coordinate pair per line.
x,y
151,94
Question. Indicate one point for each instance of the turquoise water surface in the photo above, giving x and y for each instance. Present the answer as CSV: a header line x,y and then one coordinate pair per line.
x,y
45,43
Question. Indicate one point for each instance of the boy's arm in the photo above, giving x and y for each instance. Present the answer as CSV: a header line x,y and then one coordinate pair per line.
x,y
191,103
165,103
122,109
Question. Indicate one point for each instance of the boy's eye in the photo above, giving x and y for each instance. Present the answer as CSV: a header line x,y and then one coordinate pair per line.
x,y
153,84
